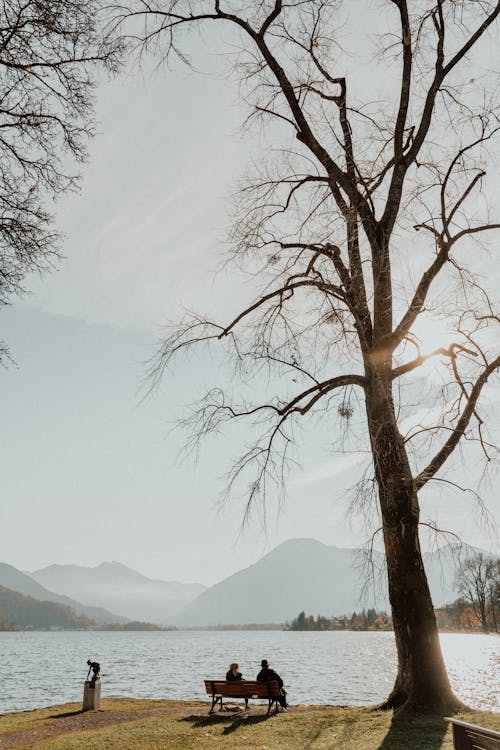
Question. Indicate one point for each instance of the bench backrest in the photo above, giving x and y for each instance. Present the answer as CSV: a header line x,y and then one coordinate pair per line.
x,y
242,688
470,737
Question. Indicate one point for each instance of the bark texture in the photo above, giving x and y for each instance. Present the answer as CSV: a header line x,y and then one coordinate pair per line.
x,y
422,681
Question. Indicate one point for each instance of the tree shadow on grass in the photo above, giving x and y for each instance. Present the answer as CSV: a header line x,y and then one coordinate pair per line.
x,y
66,714
233,722
418,732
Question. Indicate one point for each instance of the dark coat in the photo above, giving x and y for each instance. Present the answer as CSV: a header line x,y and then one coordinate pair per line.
x,y
231,677
267,675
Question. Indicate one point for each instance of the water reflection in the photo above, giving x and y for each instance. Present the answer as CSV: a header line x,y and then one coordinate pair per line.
x,y
341,668
473,663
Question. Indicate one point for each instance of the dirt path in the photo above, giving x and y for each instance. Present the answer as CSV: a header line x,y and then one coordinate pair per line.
x,y
77,721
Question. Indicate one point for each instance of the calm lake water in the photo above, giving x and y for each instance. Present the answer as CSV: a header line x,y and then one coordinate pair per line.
x,y
340,668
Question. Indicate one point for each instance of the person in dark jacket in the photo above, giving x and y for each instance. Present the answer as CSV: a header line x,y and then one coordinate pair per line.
x,y
267,674
233,673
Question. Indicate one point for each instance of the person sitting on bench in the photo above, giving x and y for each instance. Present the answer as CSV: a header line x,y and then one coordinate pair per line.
x,y
267,674
233,673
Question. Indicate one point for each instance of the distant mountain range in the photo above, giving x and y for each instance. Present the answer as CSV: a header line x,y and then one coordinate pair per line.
x,y
304,574
119,588
12,578
300,574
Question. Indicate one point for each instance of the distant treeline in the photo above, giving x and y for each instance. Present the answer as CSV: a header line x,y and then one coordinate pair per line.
x,y
6,625
462,616
458,616
368,619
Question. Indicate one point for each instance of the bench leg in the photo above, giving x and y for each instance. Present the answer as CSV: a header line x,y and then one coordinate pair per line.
x,y
246,704
215,700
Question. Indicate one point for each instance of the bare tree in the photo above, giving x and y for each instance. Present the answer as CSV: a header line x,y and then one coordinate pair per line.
x,y
49,53
494,594
478,582
368,221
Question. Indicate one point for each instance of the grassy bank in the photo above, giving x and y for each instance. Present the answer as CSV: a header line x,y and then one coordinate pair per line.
x,y
125,724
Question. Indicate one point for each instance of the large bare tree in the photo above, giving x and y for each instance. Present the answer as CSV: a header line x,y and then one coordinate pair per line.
x,y
478,582
368,221
50,52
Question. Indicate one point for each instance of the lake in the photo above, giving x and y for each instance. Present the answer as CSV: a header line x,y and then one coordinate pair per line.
x,y
339,668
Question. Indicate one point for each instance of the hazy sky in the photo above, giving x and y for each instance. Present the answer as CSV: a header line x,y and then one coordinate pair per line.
x,y
90,472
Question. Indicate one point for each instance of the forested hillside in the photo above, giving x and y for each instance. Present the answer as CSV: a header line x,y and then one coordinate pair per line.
x,y
18,612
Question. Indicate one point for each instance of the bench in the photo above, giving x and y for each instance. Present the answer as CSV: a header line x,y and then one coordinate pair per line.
x,y
246,689
470,737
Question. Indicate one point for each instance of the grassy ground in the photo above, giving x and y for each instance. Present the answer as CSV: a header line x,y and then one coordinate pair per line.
x,y
125,724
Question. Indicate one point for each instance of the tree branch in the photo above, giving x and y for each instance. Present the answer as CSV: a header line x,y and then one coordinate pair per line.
x,y
446,450
450,352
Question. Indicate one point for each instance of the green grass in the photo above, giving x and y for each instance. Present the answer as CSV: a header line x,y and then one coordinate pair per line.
x,y
187,727
26,720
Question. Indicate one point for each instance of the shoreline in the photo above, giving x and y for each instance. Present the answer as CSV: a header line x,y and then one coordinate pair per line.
x,y
226,629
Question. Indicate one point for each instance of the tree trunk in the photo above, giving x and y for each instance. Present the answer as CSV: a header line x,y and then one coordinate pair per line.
x,y
421,682
494,616
483,614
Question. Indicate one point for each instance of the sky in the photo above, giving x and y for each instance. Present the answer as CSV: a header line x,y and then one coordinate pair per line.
x,y
91,468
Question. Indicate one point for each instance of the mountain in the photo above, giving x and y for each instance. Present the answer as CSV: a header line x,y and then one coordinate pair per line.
x,y
300,574
304,574
120,588
26,612
441,566
12,578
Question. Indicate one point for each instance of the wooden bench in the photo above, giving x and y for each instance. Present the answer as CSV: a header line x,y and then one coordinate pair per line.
x,y
470,737
246,689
